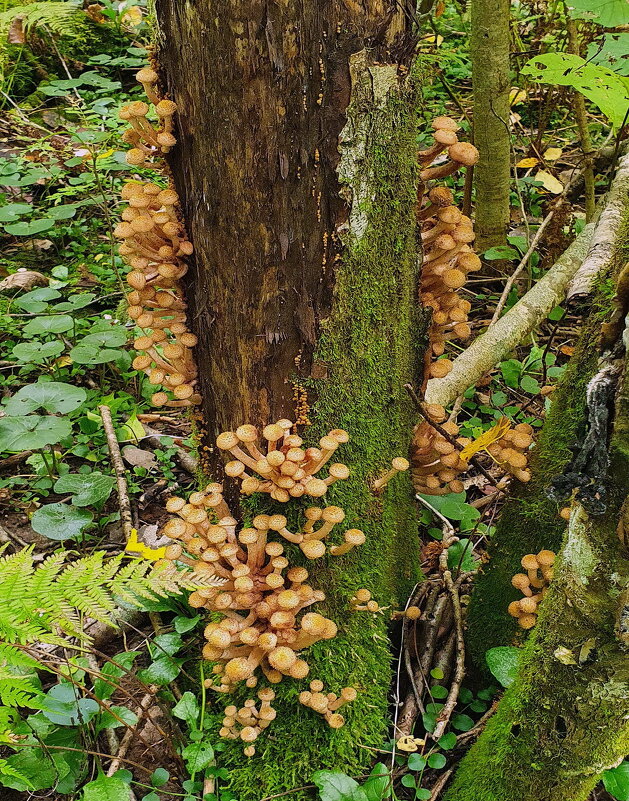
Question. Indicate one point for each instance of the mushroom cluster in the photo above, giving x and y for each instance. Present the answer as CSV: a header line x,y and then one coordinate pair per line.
x,y
398,465
539,574
436,462
511,451
327,704
284,469
249,721
155,247
262,598
361,601
446,236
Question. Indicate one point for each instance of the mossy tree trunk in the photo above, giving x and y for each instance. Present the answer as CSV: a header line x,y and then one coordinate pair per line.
x,y
489,51
566,718
296,165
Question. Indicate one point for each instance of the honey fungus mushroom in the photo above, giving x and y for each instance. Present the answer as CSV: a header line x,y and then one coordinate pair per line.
x,y
248,722
539,574
277,463
327,704
263,601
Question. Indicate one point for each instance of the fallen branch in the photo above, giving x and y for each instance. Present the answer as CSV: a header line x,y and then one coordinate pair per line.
x,y
604,240
119,469
502,337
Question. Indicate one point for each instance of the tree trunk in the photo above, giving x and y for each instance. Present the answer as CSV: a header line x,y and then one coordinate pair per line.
x,y
297,169
565,719
489,51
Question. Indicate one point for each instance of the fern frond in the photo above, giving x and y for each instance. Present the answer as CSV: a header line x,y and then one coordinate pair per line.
x,y
61,18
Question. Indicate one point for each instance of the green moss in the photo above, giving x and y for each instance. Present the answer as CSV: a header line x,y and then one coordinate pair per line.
x,y
371,347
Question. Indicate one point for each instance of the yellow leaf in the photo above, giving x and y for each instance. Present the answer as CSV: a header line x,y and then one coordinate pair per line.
x,y
530,162
134,546
98,256
63,361
132,16
516,96
485,440
553,153
132,430
432,39
549,182
105,155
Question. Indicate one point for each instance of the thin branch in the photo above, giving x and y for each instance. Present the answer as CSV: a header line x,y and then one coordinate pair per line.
x,y
119,469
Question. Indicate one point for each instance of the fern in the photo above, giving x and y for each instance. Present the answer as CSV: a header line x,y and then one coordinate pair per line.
x,y
60,18
43,603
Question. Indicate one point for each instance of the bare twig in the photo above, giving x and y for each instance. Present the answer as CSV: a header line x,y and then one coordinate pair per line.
x,y
119,469
440,784
128,735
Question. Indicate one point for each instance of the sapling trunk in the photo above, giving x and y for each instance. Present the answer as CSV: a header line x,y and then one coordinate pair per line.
x,y
489,52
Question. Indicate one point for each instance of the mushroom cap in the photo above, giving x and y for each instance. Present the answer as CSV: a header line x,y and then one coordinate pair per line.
x,y
277,522
445,136
312,549
316,487
400,464
247,433
339,434
520,581
464,153
333,514
354,536
273,432
546,558
146,75
339,471
165,108
514,609
445,123
335,721
529,562
266,694
226,440
412,613
528,605
441,196
527,621
282,658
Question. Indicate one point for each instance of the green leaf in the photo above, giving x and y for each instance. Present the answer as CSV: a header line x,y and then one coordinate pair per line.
x,y
37,300
600,85
378,785
612,52
49,324
416,762
503,662
37,352
437,691
64,706
187,708
608,13
12,211
162,671
437,673
39,772
408,780
58,521
436,761
183,624
29,228
53,396
64,212
616,781
501,252
103,688
336,786
421,794
160,777
511,370
529,384
106,788
109,720
32,432
461,556
75,302
448,741
198,756
170,643
87,488
556,314
452,506
462,722
499,398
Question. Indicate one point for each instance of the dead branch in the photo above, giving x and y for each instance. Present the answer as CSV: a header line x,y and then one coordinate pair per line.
x,y
119,469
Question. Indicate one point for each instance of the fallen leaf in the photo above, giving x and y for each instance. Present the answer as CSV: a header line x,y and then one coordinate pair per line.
x,y
132,16
15,33
565,656
138,457
63,361
553,153
25,279
549,182
528,162
516,96
42,244
567,350
135,547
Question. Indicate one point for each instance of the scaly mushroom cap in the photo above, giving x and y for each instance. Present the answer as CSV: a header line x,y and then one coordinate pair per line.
x,y
546,558
529,562
146,75
464,153
445,124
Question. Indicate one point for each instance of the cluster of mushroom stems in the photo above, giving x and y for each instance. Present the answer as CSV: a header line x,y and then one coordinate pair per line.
x,y
446,236
284,468
327,704
249,721
155,246
533,585
511,451
436,462
363,601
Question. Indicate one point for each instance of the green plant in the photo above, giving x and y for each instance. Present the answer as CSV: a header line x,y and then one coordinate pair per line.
x,y
337,786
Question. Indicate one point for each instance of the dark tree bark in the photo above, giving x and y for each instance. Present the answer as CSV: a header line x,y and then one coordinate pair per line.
x,y
296,165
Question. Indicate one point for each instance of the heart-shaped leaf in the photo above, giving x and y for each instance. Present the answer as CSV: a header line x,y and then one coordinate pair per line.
x,y
53,396
58,521
49,324
32,432
37,352
87,488
36,301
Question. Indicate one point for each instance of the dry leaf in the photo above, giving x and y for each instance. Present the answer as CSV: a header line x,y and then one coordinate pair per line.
x,y
529,162
440,8
565,655
25,279
567,350
132,16
549,182
16,31
139,457
516,96
553,153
